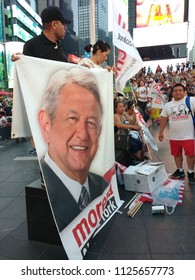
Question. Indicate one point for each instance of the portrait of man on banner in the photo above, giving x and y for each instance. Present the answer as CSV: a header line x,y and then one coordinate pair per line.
x,y
70,120
70,123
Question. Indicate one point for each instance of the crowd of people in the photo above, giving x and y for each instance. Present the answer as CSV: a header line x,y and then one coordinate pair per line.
x,y
165,79
5,112
137,88
65,167
174,86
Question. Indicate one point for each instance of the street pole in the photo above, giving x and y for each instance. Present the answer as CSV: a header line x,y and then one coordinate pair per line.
x,y
92,22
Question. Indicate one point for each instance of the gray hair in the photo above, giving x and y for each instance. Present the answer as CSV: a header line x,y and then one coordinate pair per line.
x,y
77,75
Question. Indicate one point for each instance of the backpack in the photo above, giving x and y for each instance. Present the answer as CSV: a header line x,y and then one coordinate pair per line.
x,y
189,107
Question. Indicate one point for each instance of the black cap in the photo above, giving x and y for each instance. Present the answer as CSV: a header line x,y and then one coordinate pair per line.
x,y
53,13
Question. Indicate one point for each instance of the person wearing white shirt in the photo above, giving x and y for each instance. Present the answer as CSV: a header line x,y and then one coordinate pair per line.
x,y
181,131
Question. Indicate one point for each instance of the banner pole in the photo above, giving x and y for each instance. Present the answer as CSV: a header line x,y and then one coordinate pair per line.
x,y
92,22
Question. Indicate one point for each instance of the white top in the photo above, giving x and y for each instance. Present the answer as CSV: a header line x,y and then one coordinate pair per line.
x,y
89,62
73,186
142,93
3,121
180,121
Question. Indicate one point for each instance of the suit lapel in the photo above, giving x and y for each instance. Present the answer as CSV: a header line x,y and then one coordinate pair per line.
x,y
64,206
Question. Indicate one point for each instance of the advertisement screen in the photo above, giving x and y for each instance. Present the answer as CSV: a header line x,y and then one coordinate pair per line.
x,y
24,18
2,68
160,22
160,35
159,12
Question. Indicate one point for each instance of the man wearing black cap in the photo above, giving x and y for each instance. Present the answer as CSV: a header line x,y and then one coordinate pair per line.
x,y
47,45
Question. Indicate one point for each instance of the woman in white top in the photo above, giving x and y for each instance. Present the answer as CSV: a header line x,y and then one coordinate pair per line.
x,y
100,53
142,98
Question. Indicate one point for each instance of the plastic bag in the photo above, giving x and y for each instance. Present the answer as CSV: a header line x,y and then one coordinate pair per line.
x,y
169,194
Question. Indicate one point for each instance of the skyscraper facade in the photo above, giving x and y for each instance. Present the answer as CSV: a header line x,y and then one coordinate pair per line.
x,y
101,22
67,6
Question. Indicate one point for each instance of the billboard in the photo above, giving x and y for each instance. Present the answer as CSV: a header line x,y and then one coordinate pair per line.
x,y
160,35
2,67
1,22
160,22
160,12
24,18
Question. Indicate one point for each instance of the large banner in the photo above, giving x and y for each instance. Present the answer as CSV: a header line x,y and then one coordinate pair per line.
x,y
155,93
73,138
129,61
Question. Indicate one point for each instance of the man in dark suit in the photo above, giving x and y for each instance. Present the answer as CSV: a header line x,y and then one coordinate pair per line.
x,y
70,120
64,206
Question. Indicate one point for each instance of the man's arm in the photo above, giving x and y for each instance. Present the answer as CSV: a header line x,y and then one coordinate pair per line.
x,y
163,122
15,57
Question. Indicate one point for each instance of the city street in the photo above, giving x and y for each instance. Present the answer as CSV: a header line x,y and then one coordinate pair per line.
x,y
143,237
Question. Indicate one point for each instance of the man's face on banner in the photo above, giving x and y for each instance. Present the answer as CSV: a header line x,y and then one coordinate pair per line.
x,y
72,136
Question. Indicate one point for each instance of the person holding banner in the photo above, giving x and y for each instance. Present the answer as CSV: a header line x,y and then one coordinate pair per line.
x,y
47,45
100,52
181,131
70,119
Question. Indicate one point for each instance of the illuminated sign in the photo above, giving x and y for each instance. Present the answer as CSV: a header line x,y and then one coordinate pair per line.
x,y
2,68
159,12
21,33
28,8
160,22
22,17
161,35
1,23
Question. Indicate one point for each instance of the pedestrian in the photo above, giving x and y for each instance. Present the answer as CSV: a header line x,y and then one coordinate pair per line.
x,y
141,93
181,131
47,45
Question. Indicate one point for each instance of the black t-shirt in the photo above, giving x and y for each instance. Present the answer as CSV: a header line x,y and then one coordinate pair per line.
x,y
42,47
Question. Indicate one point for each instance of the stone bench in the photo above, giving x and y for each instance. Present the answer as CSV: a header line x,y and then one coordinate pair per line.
x,y
40,222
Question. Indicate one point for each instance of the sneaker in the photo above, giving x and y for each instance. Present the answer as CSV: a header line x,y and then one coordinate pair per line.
x,y
33,152
191,178
178,174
